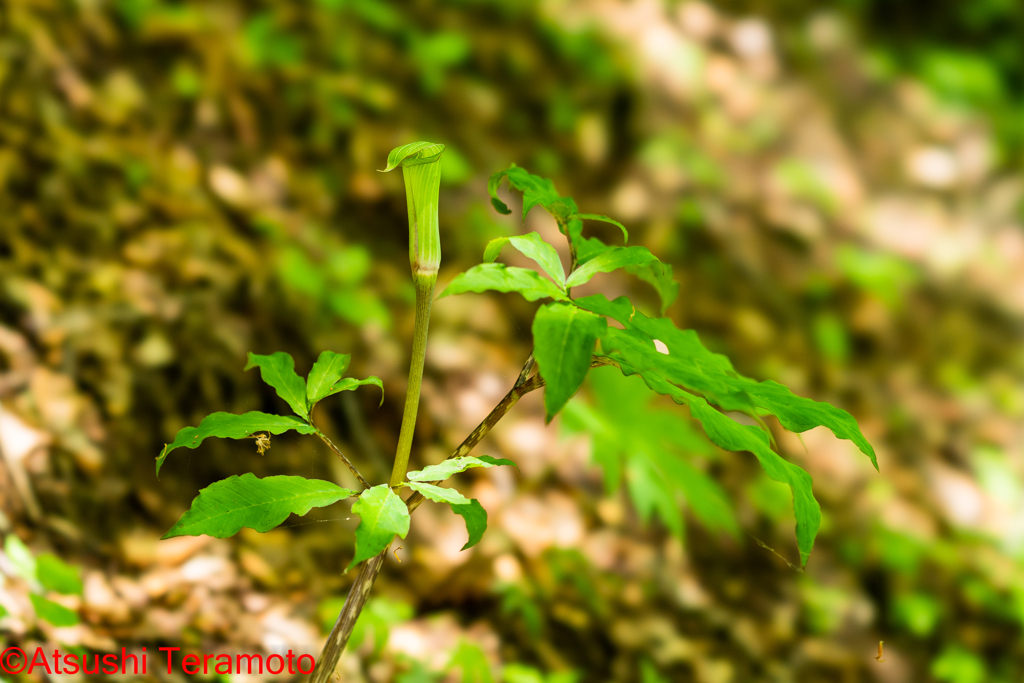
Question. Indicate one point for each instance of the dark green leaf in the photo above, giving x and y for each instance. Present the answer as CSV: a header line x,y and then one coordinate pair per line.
x,y
501,278
476,520
58,615
438,494
599,217
56,575
532,246
224,507
328,369
382,514
563,340
278,370
229,426
447,468
611,259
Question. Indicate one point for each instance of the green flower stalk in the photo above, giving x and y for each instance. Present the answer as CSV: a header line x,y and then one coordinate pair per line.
x,y
421,168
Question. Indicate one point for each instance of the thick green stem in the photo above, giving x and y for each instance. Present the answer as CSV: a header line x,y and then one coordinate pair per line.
x,y
424,298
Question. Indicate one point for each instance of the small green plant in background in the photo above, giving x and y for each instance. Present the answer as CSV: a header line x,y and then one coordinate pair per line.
x,y
45,573
571,335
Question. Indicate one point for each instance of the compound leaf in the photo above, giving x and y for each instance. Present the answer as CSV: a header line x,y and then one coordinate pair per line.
x,y
447,468
382,514
224,507
438,494
278,370
563,340
476,520
230,426
328,369
501,278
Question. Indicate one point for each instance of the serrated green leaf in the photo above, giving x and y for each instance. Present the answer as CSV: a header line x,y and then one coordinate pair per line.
x,y
224,507
56,575
278,370
536,191
611,259
229,426
476,520
605,219
382,514
563,342
498,277
447,468
328,369
21,558
438,494
532,246
48,610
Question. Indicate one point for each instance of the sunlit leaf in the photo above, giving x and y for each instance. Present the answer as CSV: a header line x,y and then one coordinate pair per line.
x,y
498,277
278,370
532,246
447,468
563,341
48,610
472,662
438,494
382,515
611,259
229,426
22,560
328,369
224,507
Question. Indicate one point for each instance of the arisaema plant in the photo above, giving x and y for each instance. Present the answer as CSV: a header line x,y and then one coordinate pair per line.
x,y
571,335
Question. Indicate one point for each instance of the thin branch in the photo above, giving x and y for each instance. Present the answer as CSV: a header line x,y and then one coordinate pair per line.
x,y
360,590
525,372
337,451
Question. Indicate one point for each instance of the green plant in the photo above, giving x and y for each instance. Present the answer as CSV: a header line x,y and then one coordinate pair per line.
x,y
45,573
566,330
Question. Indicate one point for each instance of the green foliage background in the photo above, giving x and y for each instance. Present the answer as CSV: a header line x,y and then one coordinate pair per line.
x,y
183,182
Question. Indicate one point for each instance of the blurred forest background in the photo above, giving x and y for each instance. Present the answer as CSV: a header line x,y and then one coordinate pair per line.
x,y
837,185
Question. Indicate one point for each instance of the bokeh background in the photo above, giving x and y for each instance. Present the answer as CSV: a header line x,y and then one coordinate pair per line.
x,y
837,185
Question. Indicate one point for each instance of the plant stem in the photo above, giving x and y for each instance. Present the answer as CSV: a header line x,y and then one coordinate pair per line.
x,y
330,444
368,571
424,298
